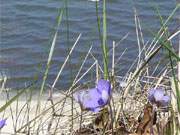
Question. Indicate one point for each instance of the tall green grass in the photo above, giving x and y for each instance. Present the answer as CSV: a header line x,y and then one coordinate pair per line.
x,y
104,45
103,37
173,59
59,18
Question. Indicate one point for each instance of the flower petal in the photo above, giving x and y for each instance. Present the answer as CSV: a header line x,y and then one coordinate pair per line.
x,y
105,95
101,102
104,85
151,95
159,94
88,98
165,101
2,123
95,98
95,109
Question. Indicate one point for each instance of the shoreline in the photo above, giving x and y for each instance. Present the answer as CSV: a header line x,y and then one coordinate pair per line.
x,y
22,111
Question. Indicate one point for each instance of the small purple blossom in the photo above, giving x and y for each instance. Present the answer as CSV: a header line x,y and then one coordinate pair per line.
x,y
158,97
2,123
95,98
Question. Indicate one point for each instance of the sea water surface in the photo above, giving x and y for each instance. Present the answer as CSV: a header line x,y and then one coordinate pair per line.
x,y
27,28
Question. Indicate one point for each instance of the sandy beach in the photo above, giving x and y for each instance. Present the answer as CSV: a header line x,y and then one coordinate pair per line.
x,y
21,114
22,111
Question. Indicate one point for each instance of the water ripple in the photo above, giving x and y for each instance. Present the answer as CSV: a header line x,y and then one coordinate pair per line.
x,y
27,28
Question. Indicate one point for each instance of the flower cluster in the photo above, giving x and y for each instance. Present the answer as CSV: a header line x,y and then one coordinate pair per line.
x,y
2,123
95,98
158,97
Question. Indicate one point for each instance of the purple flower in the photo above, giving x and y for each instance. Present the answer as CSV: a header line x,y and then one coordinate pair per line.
x,y
158,97
95,98
2,123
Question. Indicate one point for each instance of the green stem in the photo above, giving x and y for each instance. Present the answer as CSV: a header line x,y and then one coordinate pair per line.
x,y
104,46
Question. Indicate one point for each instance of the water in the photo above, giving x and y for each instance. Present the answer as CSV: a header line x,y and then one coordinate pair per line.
x,y
27,30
